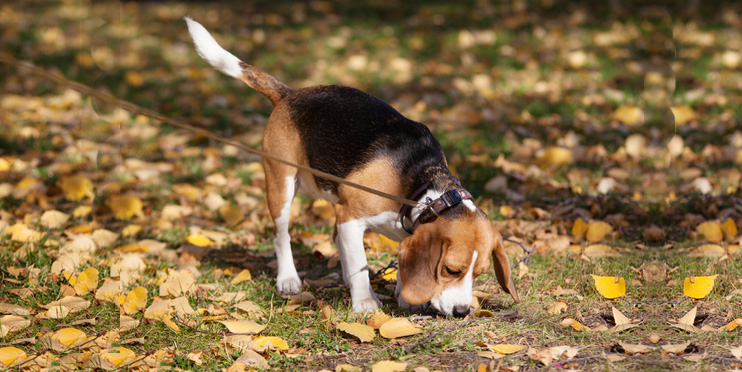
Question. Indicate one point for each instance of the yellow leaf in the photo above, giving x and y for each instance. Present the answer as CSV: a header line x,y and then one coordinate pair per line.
x,y
398,327
362,331
134,78
109,292
708,250
188,191
556,156
711,230
629,115
389,366
390,275
698,286
4,165
579,228
683,114
569,322
125,207
482,313
231,214
243,276
506,349
82,211
200,240
135,300
378,319
347,368
380,243
131,230
10,354
68,336
731,326
729,228
610,286
323,209
600,250
54,219
243,326
557,308
119,357
597,230
87,281
76,187
277,342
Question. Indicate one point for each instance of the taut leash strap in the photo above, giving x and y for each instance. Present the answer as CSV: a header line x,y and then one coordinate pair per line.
x,y
135,109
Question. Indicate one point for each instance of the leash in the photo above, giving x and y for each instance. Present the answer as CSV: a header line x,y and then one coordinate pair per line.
x,y
135,109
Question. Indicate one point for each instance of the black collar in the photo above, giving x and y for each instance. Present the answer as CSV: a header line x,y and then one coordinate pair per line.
x,y
433,207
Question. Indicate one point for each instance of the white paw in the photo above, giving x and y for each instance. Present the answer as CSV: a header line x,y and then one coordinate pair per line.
x,y
367,305
288,285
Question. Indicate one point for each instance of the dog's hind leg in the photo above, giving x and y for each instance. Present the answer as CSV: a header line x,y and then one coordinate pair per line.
x,y
282,184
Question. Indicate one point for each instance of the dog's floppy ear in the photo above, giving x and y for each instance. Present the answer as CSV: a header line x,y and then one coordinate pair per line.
x,y
419,255
502,266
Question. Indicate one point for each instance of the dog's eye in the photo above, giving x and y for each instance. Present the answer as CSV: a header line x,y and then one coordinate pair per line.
x,y
452,272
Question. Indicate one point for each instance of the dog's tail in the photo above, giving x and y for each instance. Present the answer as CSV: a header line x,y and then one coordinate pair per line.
x,y
227,63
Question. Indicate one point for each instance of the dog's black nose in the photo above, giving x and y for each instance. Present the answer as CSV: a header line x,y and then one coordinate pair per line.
x,y
460,311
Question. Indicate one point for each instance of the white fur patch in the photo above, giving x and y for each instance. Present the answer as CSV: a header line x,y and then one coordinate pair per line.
x,y
212,52
287,280
353,261
459,295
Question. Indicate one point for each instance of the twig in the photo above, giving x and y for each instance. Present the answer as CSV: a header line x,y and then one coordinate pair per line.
x,y
300,328
392,264
528,253
721,358
434,335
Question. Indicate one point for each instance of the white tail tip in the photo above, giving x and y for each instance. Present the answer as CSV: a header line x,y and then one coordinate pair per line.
x,y
210,50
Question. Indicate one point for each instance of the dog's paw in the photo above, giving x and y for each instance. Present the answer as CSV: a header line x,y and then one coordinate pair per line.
x,y
289,285
367,305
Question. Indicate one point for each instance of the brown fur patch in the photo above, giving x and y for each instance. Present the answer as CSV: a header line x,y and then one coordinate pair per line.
x,y
378,174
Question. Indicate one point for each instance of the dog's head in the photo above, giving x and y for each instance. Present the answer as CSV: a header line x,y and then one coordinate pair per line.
x,y
440,260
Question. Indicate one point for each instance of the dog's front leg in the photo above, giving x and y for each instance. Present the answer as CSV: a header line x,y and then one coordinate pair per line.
x,y
349,241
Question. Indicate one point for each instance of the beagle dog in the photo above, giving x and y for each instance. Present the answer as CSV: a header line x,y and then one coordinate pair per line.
x,y
351,134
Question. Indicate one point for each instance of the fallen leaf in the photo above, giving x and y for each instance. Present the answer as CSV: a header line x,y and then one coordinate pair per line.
x,y
636,349
87,281
698,286
9,354
378,319
398,327
243,276
200,240
54,219
506,349
618,317
12,323
629,115
389,366
676,348
711,230
272,342
610,286
76,187
557,308
708,250
597,230
125,207
135,300
243,326
347,368
569,322
731,326
579,228
362,331
729,228
600,250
